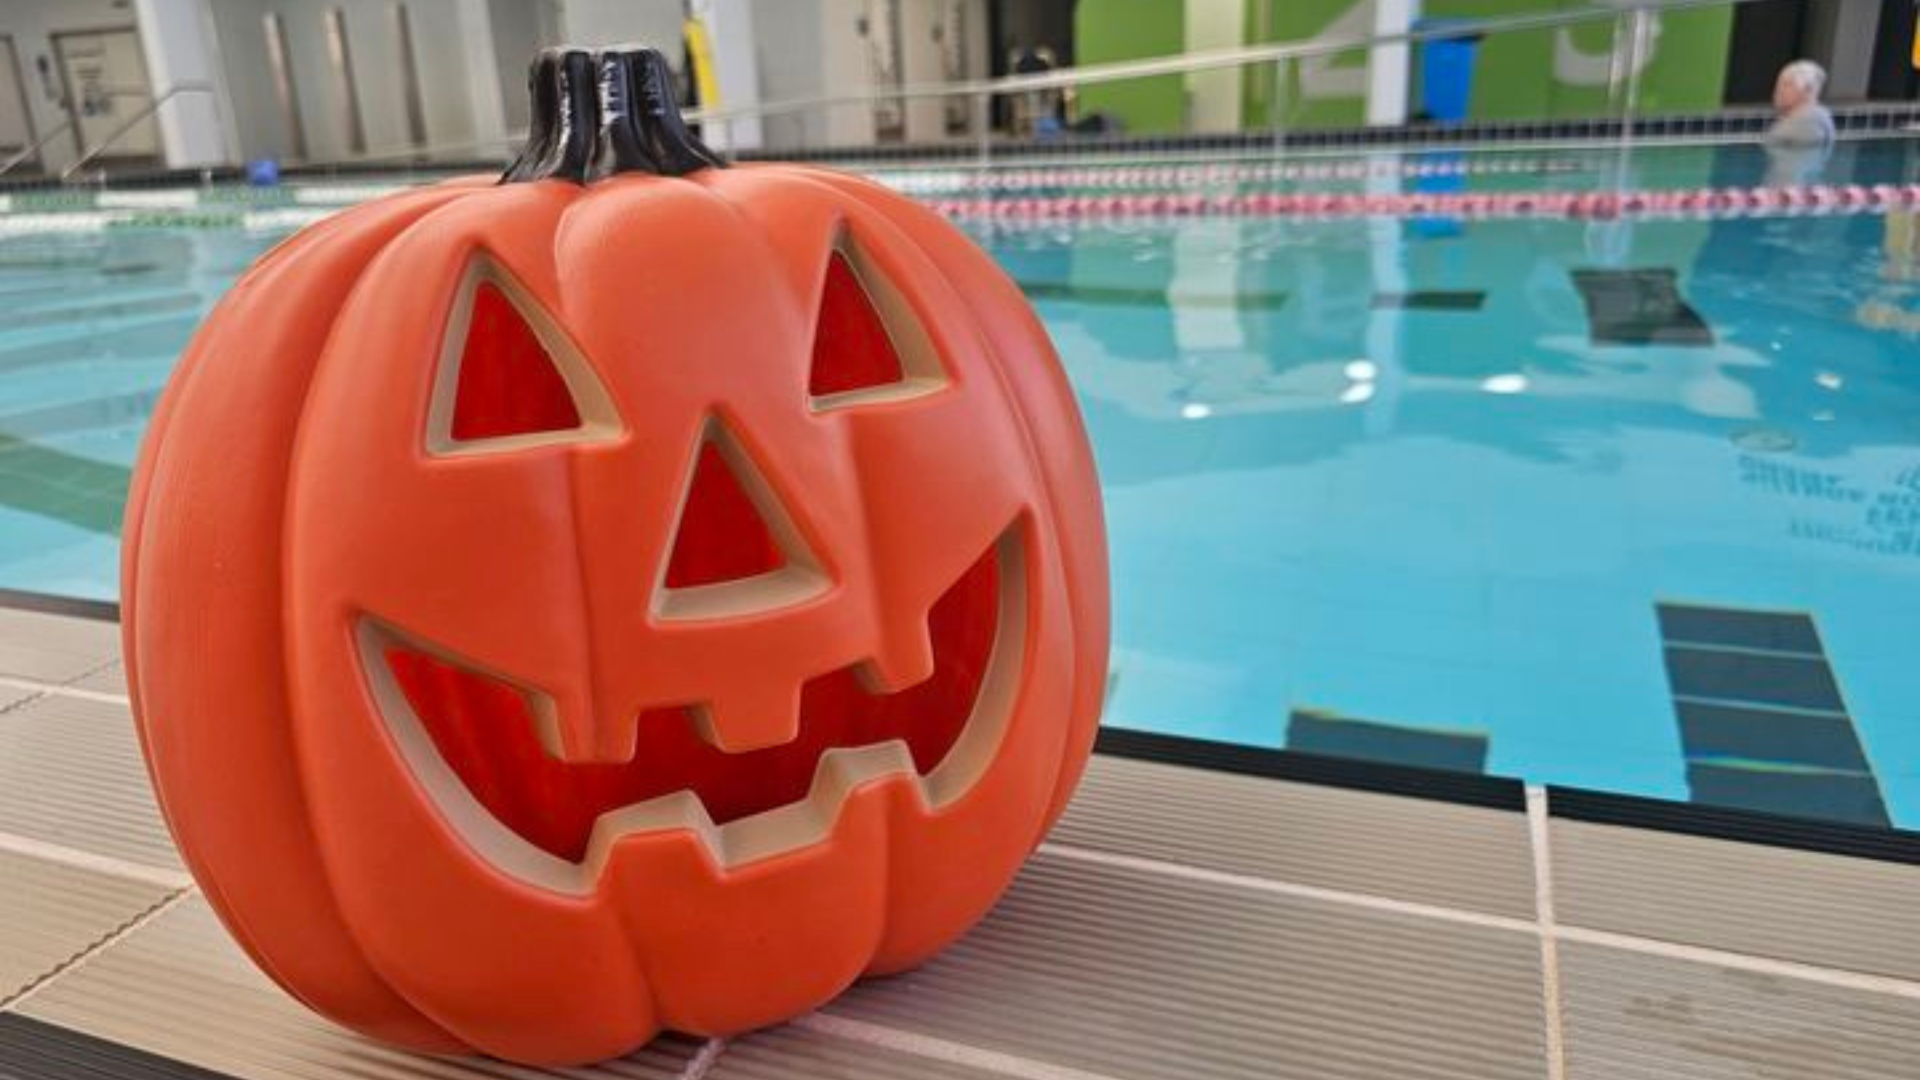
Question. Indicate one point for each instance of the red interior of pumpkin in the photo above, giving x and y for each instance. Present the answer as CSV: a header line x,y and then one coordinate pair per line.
x,y
851,349
485,730
508,384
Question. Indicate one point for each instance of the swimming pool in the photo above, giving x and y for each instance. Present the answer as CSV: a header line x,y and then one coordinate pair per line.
x,y
1631,505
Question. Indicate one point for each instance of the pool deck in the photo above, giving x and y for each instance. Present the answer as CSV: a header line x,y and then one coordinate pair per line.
x,y
1182,922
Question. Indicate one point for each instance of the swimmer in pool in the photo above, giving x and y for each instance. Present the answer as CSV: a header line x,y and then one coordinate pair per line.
x,y
1802,120
1802,135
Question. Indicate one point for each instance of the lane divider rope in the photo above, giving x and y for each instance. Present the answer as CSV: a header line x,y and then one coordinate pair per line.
x,y
1584,205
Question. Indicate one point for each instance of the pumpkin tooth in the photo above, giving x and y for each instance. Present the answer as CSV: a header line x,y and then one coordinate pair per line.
x,y
905,661
750,716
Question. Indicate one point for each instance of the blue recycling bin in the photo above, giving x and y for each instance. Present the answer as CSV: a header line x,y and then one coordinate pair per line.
x,y
1446,73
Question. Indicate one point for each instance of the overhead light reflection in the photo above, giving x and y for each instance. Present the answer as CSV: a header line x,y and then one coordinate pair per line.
x,y
1357,393
1514,383
1194,410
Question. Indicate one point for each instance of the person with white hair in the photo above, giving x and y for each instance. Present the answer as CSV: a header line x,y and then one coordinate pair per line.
x,y
1802,121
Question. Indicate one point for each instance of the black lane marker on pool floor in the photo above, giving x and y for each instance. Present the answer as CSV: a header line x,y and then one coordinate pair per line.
x,y
1311,731
35,1050
1150,296
1431,300
1762,720
1639,307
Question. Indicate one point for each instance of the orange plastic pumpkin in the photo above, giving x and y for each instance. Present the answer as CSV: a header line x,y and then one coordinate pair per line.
x,y
636,595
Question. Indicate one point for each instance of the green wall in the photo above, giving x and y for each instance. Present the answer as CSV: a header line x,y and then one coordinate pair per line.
x,y
1107,30
1514,72
1514,77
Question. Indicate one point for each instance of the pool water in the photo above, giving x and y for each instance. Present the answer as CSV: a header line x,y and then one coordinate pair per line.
x,y
1623,505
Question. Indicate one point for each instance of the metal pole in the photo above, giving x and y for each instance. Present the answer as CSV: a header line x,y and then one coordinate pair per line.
x,y
1282,78
983,128
1638,23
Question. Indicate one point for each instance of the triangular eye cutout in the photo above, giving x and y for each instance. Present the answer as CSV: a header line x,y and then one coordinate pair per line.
x,y
723,536
851,347
508,383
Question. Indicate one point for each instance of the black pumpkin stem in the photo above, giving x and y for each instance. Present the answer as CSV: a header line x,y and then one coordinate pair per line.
x,y
600,112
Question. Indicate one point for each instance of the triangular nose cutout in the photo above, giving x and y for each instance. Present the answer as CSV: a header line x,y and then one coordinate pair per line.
x,y
723,536
851,347
508,384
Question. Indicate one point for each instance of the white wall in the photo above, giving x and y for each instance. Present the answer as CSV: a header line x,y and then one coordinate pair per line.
x,y
812,48
460,79
31,24
653,23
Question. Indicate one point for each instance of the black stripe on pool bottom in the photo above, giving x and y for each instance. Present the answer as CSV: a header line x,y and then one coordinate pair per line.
x,y
1151,296
1780,631
1763,725
1639,307
1829,794
1431,300
1794,682
36,1050
1720,732
1313,732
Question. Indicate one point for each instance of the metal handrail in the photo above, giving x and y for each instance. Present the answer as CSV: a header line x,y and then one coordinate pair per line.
x,y
34,150
1206,60
151,108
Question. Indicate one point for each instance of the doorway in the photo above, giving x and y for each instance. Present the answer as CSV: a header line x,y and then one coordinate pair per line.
x,y
103,83
16,123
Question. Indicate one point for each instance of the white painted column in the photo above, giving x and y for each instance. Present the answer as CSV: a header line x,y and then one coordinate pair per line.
x,y
733,38
1213,97
484,88
177,39
1388,65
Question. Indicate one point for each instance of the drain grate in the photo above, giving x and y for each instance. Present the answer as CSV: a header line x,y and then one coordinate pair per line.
x,y
1639,307
1762,720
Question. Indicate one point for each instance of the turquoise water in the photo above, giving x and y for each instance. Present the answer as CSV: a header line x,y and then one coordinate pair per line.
x,y
1373,487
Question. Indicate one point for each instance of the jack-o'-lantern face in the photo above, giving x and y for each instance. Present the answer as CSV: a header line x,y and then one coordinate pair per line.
x,y
633,594
561,611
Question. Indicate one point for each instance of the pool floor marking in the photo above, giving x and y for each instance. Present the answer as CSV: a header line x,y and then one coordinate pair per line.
x,y
1155,296
1639,307
1553,999
1763,723
51,483
1318,731
1779,631
1431,300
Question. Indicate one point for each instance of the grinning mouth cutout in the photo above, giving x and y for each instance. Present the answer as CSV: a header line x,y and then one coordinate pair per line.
x,y
473,742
